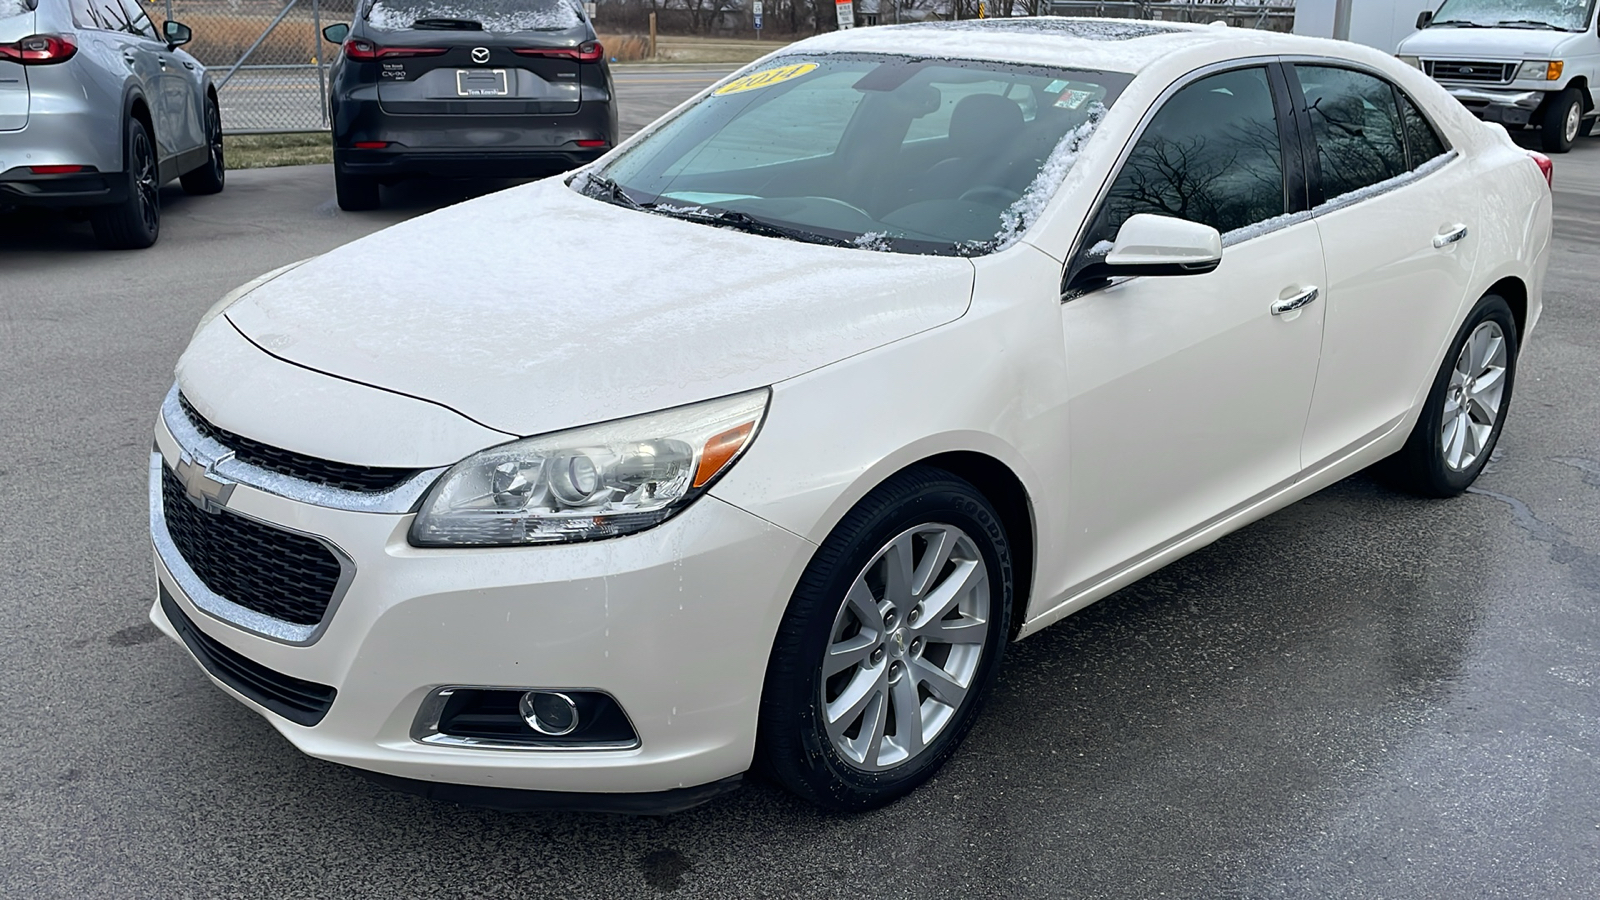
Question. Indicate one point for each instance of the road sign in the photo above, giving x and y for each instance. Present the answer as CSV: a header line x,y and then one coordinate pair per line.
x,y
846,10
755,9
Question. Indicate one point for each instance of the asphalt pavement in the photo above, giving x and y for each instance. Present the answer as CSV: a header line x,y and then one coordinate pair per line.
x,y
1364,695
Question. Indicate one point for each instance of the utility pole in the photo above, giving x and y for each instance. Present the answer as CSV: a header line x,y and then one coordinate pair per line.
x,y
1341,19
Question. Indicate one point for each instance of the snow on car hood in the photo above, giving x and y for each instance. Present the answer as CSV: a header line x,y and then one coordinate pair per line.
x,y
537,309
1486,43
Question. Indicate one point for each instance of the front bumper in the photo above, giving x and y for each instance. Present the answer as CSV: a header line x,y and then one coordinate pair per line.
x,y
675,623
1508,107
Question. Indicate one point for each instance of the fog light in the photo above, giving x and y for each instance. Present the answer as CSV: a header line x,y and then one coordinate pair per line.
x,y
549,713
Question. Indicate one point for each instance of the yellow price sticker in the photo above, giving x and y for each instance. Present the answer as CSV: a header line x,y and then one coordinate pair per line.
x,y
764,78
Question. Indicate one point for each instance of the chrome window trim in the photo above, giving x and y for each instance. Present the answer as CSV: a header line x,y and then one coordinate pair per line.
x,y
221,608
400,499
1386,186
425,727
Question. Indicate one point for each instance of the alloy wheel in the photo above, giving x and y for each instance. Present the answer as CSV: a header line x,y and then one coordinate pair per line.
x,y
1474,396
144,167
905,646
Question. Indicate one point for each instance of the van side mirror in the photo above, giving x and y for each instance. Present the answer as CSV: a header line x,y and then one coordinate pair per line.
x,y
176,33
1424,19
335,34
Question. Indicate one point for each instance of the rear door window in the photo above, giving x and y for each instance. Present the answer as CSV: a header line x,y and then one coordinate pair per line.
x,y
1356,124
500,16
1422,142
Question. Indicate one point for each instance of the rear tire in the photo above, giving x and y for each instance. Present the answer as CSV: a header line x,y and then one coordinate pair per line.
x,y
211,177
135,223
1562,122
355,192
875,676
1465,409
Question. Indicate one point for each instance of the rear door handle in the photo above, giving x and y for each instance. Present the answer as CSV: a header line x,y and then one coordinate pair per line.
x,y
1441,241
1290,304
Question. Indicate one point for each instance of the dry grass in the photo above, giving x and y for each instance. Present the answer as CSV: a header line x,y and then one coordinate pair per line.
x,y
261,151
625,47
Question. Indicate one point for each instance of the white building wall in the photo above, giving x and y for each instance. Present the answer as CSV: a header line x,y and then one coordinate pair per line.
x,y
1381,24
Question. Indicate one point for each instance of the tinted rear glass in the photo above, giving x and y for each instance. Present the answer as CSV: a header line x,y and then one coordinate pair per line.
x,y
493,15
9,8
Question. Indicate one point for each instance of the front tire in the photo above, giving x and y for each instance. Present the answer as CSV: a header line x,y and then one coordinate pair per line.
x,y
891,639
1563,119
211,177
1466,406
135,223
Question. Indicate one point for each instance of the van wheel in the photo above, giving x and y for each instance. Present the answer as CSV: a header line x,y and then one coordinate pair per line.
x,y
1563,121
135,223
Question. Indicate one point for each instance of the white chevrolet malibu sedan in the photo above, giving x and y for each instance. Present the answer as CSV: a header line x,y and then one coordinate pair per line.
x,y
755,443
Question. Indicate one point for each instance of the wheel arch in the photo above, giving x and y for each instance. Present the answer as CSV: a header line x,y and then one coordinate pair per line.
x,y
134,106
1001,486
1515,293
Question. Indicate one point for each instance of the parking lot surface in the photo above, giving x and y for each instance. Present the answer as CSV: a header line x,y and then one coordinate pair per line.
x,y
1365,695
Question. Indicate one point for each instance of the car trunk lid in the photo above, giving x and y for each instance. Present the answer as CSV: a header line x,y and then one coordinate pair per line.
x,y
16,22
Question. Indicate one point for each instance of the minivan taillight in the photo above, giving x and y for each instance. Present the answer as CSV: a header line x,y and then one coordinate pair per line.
x,y
40,49
588,51
1545,166
366,51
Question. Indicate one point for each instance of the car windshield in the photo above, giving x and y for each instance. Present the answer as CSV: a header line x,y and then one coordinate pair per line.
x,y
883,152
1564,15
475,15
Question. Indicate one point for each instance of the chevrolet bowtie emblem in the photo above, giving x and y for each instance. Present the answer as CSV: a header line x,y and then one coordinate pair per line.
x,y
202,485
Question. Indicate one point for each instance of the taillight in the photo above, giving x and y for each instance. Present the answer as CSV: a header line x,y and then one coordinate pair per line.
x,y
366,51
56,170
1545,166
371,145
589,51
591,143
40,49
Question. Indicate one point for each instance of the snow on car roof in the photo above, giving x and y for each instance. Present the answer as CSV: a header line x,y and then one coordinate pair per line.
x,y
1115,45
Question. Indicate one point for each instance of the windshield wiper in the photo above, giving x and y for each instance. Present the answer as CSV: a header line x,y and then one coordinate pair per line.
x,y
603,188
443,24
747,223
1459,23
1531,23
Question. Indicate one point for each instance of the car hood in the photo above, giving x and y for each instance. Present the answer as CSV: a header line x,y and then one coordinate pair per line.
x,y
1486,43
537,308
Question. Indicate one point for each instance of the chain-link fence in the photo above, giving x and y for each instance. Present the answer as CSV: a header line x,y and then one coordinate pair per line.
x,y
267,58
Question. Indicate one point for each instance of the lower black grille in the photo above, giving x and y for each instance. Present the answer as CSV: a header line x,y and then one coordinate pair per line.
x,y
271,571
301,702
326,472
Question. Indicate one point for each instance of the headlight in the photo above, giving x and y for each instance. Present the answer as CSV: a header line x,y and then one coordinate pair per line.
x,y
1414,62
601,481
1541,69
233,296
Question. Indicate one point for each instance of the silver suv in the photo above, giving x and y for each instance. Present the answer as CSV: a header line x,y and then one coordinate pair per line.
x,y
98,110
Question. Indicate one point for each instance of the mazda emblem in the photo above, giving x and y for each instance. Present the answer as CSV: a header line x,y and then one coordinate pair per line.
x,y
480,55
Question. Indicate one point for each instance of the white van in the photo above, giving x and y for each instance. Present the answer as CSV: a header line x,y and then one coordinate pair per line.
x,y
1517,62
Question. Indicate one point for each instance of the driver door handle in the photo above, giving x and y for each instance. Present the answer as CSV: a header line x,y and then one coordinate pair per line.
x,y
1290,304
1441,241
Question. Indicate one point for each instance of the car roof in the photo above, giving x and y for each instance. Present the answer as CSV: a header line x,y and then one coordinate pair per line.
x,y
1115,45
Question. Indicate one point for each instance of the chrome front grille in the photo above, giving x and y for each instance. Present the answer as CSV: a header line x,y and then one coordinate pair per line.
x,y
1474,72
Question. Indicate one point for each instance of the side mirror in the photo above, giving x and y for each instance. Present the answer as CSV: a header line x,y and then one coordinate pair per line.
x,y
176,33
1424,19
1160,245
335,34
